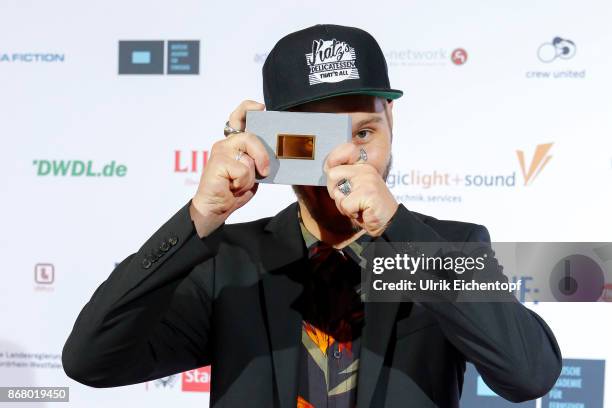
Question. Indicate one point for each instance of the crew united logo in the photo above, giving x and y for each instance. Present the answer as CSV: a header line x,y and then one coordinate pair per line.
x,y
331,61
557,48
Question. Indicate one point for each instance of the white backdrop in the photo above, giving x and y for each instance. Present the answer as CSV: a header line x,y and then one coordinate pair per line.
x,y
62,99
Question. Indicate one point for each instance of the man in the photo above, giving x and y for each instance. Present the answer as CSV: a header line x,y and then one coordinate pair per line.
x,y
273,304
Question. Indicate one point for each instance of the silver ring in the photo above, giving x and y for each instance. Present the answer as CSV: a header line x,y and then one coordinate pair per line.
x,y
344,186
239,155
228,130
363,156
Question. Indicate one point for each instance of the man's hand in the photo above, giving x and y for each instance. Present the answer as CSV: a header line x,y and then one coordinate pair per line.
x,y
369,203
226,183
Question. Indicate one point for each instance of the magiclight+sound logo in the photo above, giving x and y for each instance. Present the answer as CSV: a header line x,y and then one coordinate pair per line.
x,y
538,162
440,184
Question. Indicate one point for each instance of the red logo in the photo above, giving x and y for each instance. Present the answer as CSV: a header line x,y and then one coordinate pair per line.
x,y
190,162
44,273
197,380
459,56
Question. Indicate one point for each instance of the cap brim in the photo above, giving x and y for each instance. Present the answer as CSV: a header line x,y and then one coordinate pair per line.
x,y
383,93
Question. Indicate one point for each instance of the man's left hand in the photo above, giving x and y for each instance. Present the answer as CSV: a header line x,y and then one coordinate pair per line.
x,y
369,202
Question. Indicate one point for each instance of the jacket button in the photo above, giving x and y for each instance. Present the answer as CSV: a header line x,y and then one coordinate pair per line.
x,y
164,246
173,240
146,263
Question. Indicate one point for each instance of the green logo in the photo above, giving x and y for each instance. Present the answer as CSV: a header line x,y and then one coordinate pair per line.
x,y
78,168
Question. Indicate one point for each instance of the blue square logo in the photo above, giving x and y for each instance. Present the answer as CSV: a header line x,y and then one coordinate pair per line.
x,y
183,58
141,57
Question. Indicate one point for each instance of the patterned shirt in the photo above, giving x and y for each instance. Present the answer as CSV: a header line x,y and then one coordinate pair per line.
x,y
332,322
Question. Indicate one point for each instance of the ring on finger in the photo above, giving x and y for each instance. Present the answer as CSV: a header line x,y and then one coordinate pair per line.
x,y
363,155
239,155
344,186
228,130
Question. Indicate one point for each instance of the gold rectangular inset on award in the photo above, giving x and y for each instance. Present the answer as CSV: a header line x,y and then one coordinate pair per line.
x,y
297,143
295,146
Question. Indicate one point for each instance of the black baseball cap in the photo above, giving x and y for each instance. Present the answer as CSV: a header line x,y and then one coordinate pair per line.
x,y
322,61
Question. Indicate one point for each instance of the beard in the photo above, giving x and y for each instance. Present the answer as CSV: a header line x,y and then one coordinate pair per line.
x,y
323,208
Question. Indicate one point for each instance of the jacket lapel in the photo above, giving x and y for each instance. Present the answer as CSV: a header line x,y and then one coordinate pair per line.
x,y
283,254
284,261
379,322
380,317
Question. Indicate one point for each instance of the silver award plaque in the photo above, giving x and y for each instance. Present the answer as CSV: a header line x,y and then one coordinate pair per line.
x,y
298,143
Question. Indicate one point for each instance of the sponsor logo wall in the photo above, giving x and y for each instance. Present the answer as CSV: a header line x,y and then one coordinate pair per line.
x,y
108,119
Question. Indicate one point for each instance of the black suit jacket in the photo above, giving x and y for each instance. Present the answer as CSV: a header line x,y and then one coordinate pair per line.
x,y
182,302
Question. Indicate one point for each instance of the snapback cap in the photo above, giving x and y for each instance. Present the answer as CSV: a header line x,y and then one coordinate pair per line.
x,y
323,61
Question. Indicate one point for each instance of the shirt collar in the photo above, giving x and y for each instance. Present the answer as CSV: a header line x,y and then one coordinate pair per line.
x,y
353,250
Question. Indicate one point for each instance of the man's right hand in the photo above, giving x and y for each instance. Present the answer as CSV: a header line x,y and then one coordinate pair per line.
x,y
227,184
